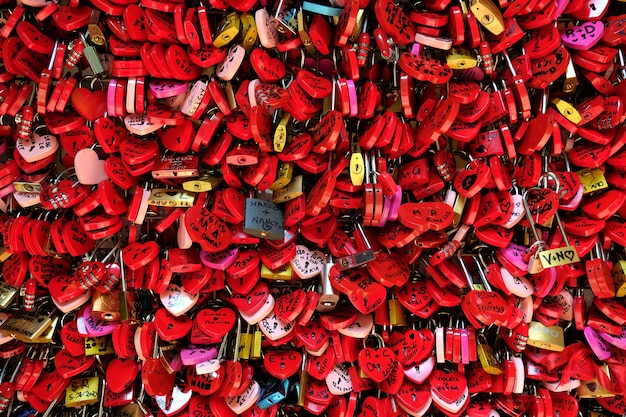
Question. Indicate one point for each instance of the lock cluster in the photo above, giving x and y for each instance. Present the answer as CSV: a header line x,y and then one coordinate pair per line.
x,y
276,208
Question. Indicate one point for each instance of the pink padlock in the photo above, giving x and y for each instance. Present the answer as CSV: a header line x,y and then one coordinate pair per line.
x,y
193,355
597,345
219,260
171,88
582,37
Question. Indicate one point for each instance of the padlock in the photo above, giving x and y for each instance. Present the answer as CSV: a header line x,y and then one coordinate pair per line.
x,y
263,219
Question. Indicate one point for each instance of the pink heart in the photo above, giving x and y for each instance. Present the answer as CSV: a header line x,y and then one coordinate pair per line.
x,y
89,168
37,147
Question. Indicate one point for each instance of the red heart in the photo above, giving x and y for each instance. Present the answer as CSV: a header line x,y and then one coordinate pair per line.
x,y
282,364
472,179
89,104
268,69
549,68
369,300
289,306
117,172
274,258
543,203
203,385
64,288
156,379
389,269
391,385
616,231
251,301
59,123
340,318
413,296
135,151
479,409
244,284
317,392
412,396
206,229
178,138
73,342
76,240
15,268
109,135
448,386
426,216
121,374
70,18
377,364
77,139
316,87
320,366
170,327
216,323
50,385
615,404
68,366
137,254
312,335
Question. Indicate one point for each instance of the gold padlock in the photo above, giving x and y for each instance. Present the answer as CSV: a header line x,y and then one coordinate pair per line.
x,y
357,165
619,278
82,391
567,110
488,15
280,134
549,338
202,184
488,359
257,339
592,180
48,334
227,30
245,344
7,294
106,306
397,313
282,273
26,326
593,389
460,58
248,31
571,79
283,177
303,32
289,192
166,197
98,346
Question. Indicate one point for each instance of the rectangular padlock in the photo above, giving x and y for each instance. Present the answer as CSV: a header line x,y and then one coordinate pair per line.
x,y
82,391
289,192
25,326
93,59
179,166
549,338
106,306
263,219
7,294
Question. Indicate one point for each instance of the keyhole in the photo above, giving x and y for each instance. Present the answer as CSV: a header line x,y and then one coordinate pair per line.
x,y
487,19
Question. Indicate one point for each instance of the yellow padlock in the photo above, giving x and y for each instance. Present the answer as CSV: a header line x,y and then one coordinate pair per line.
x,y
488,15
227,30
82,391
460,58
567,110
